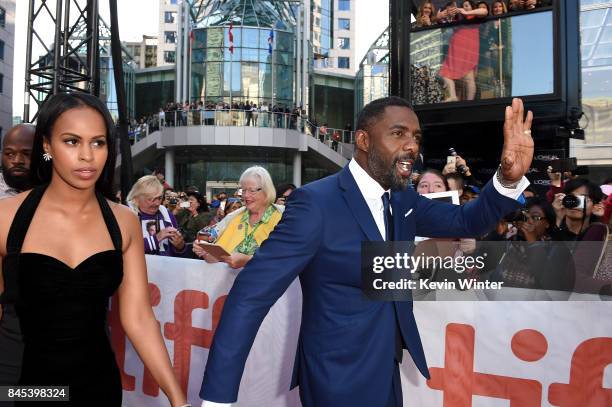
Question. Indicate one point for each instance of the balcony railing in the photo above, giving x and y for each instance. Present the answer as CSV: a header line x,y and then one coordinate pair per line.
x,y
241,118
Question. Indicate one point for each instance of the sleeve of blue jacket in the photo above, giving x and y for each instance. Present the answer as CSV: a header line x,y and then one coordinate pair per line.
x,y
278,261
438,219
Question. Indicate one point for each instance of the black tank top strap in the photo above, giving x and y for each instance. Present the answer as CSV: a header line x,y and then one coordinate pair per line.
x,y
23,218
111,222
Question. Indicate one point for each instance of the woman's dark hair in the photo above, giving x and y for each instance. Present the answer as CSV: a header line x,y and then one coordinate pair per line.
x,y
282,188
201,200
486,4
471,4
52,109
547,208
594,191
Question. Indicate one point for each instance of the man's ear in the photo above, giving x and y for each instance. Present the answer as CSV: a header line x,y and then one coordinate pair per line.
x,y
362,140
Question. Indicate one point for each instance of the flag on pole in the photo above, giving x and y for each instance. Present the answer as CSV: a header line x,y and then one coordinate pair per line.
x,y
231,38
270,41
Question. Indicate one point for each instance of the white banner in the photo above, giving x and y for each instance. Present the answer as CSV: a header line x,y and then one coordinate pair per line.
x,y
516,354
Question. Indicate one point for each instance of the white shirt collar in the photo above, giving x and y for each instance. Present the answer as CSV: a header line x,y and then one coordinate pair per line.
x,y
370,189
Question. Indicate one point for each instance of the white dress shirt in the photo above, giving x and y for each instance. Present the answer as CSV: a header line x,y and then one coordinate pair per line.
x,y
372,193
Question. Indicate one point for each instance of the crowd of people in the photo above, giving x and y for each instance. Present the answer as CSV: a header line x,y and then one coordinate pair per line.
x,y
455,11
557,240
239,113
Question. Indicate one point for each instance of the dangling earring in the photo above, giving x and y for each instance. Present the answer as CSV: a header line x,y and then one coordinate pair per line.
x,y
47,157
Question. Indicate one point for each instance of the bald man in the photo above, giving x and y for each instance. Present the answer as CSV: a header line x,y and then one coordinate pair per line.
x,y
15,178
16,152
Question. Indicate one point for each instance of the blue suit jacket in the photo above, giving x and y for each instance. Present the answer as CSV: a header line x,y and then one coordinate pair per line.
x,y
345,354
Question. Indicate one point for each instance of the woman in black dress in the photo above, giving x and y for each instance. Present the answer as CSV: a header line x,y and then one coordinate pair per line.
x,y
66,249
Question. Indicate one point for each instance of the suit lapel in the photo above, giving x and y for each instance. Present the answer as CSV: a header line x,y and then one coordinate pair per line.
x,y
358,206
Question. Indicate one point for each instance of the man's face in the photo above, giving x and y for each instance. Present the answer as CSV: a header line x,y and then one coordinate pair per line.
x,y
222,196
392,147
16,155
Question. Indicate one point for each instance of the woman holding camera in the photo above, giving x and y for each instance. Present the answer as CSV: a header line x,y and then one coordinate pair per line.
x,y
66,248
575,207
194,217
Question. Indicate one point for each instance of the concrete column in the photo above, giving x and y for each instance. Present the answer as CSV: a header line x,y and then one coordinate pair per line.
x,y
169,166
297,169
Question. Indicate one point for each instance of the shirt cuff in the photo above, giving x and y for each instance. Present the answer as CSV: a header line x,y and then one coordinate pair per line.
x,y
512,193
213,404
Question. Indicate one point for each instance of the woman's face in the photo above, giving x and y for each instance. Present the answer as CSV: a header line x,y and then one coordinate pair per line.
x,y
193,203
483,6
427,9
78,146
253,195
467,6
498,8
536,222
429,183
149,202
232,207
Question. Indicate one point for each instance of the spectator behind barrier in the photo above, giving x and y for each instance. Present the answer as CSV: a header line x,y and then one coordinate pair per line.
x,y
531,259
431,181
574,208
244,230
193,218
282,193
145,198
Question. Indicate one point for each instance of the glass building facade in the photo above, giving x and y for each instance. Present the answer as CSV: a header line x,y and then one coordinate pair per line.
x,y
259,68
322,28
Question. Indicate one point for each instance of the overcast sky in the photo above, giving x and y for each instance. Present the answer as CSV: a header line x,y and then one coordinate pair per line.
x,y
138,17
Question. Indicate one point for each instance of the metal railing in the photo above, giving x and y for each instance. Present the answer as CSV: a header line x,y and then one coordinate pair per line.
x,y
241,118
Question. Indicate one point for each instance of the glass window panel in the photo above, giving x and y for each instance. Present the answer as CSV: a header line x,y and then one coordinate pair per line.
x,y
214,37
344,62
344,24
214,54
250,80
170,56
249,54
265,56
199,39
170,37
237,31
170,17
198,55
2,17
603,51
229,56
344,43
265,81
251,38
589,35
606,35
283,58
284,41
594,18
586,51
214,79
344,5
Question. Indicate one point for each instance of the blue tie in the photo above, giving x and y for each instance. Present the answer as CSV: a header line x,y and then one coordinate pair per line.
x,y
386,198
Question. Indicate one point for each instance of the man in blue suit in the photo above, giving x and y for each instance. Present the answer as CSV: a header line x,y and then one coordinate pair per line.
x,y
349,347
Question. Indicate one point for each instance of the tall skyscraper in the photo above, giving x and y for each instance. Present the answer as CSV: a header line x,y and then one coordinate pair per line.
x,y
333,36
167,35
7,41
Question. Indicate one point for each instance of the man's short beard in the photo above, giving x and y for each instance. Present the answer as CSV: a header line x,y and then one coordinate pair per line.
x,y
385,174
20,183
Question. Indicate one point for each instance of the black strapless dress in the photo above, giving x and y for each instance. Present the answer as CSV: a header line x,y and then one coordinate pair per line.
x,y
62,312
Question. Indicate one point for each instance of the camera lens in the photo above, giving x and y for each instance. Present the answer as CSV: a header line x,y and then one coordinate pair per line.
x,y
173,201
570,201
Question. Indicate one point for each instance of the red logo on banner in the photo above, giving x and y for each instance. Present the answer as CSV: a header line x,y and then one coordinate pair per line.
x,y
459,382
181,331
